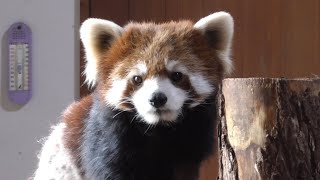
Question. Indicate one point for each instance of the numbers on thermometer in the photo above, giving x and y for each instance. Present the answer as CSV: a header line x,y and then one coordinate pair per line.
x,y
18,67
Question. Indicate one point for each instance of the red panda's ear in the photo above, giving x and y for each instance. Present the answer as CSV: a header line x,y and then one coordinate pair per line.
x,y
96,36
218,29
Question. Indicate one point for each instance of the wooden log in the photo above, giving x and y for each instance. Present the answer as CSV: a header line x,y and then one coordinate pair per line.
x,y
269,129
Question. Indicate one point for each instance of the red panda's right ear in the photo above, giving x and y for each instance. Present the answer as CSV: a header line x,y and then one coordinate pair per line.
x,y
96,36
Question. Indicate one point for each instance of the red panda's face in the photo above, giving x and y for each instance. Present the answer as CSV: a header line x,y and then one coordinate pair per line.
x,y
156,70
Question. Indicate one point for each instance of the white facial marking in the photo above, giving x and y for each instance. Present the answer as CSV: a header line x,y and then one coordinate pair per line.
x,y
115,93
176,98
171,64
175,66
140,69
200,84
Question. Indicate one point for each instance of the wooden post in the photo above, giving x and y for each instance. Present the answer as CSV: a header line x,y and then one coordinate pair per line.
x,y
269,129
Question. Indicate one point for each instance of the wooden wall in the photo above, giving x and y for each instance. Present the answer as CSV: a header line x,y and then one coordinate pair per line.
x,y
272,38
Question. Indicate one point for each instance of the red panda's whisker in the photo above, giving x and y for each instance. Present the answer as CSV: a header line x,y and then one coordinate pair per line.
x,y
122,111
118,114
150,126
125,100
134,117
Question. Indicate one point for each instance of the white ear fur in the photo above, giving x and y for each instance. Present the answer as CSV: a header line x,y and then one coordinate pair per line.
x,y
92,32
221,25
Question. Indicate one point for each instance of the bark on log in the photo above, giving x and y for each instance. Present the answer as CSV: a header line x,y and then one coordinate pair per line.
x,y
269,129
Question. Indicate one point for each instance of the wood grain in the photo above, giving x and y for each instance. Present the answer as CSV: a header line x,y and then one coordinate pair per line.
x,y
116,11
146,10
275,132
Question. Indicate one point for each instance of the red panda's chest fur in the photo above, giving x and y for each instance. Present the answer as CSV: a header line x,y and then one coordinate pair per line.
x,y
104,146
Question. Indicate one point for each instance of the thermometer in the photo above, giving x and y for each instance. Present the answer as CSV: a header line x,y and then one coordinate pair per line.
x,y
19,63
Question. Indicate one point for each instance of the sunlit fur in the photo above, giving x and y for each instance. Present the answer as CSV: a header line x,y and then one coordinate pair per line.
x,y
90,32
115,133
154,52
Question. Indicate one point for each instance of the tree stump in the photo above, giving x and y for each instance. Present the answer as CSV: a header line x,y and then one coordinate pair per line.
x,y
269,129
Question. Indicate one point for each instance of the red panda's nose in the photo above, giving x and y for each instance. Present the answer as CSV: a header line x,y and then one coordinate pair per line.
x,y
158,99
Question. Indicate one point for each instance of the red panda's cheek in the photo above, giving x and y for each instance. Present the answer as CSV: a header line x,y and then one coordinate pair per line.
x,y
114,95
201,85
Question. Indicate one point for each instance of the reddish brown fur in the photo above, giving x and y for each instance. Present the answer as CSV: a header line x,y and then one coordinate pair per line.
x,y
154,44
74,117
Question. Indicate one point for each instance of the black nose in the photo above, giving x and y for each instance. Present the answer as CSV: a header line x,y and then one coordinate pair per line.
x,y
158,99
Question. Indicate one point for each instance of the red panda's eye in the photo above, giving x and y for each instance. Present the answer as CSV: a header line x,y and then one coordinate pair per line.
x,y
176,76
137,80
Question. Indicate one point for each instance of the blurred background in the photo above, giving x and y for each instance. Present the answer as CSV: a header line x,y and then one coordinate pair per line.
x,y
272,39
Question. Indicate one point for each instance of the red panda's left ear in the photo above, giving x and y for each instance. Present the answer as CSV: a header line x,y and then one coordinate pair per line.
x,y
218,29
96,36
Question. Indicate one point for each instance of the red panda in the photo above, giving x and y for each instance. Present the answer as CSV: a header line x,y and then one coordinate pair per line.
x,y
151,115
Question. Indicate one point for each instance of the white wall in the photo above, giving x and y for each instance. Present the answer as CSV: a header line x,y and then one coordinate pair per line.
x,y
54,24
